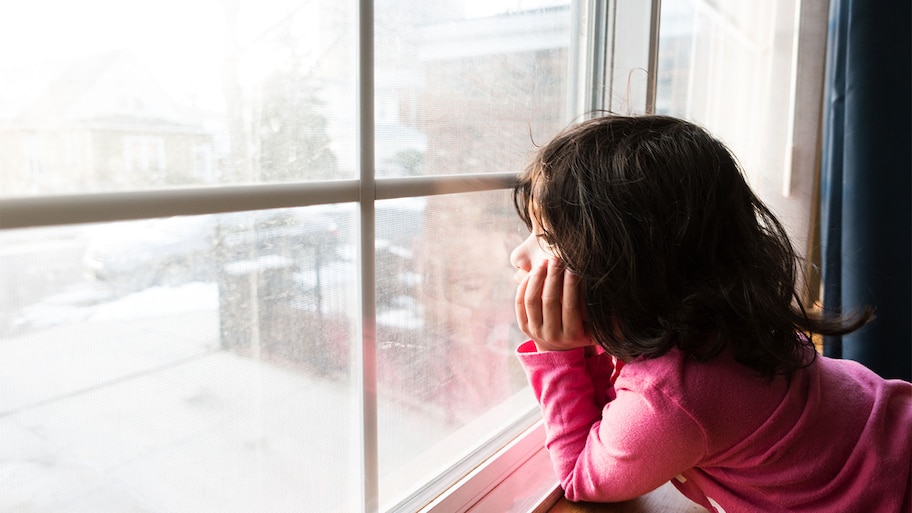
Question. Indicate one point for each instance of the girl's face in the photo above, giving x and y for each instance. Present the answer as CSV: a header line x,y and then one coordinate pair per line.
x,y
530,252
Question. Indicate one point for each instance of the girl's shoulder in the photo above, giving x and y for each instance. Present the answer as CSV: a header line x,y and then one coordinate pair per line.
x,y
724,397
678,373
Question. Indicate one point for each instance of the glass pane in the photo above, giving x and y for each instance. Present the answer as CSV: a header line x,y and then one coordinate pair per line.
x,y
446,334
182,364
462,86
104,95
465,86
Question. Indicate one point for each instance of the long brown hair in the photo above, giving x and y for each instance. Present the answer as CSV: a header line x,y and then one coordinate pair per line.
x,y
671,245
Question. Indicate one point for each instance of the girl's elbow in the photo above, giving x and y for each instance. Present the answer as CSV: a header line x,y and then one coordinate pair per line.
x,y
584,490
573,494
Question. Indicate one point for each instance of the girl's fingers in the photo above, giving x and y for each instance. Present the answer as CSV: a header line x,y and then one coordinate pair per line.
x,y
549,307
551,300
532,298
572,312
521,318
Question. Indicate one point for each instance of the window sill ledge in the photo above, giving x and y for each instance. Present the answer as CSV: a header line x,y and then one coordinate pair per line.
x,y
520,479
663,499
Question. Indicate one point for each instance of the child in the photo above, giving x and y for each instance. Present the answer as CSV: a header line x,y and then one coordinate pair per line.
x,y
668,342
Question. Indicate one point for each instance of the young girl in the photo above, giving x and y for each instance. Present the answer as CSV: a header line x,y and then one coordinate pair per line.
x,y
668,342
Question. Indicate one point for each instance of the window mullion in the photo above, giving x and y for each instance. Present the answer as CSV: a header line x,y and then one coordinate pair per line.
x,y
652,70
591,48
365,354
34,211
406,187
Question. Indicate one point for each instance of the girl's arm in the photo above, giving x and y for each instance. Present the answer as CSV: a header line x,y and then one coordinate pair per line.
x,y
606,444
630,446
549,309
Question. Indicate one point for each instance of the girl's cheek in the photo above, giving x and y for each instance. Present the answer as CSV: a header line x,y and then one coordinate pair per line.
x,y
539,255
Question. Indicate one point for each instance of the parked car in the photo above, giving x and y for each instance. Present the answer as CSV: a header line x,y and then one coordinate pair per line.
x,y
138,254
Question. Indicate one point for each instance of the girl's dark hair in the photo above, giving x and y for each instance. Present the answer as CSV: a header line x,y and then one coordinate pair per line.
x,y
671,245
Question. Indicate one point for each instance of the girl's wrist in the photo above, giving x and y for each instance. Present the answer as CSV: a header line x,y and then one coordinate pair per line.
x,y
588,350
541,348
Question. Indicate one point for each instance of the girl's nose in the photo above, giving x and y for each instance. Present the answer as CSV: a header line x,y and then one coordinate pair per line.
x,y
520,257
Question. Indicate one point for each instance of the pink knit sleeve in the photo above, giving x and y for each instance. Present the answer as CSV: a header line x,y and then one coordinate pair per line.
x,y
603,370
614,451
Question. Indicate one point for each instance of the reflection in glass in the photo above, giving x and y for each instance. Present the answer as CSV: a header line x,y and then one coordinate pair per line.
x,y
445,333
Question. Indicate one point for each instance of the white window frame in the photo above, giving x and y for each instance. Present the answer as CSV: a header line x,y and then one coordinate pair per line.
x,y
596,48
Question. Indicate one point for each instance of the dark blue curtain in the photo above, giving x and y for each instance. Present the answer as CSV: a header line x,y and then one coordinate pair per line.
x,y
866,180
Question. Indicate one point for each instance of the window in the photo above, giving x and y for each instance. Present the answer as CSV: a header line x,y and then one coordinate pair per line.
x,y
212,320
277,276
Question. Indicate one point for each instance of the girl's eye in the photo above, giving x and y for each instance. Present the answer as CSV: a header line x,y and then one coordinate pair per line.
x,y
545,241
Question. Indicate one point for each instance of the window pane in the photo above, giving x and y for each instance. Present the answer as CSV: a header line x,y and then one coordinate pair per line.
x,y
446,334
465,86
181,364
461,87
105,95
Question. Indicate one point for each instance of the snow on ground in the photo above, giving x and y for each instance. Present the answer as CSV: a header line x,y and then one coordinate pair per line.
x,y
93,304
159,302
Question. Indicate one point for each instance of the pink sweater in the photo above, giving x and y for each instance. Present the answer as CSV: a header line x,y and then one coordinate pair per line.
x,y
834,438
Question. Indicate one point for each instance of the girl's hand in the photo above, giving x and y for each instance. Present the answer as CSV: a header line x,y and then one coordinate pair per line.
x,y
549,309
